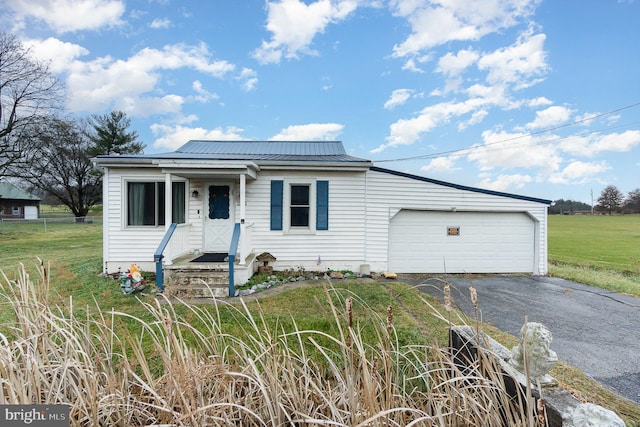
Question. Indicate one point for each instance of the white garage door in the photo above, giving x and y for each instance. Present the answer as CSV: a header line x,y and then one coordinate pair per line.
x,y
461,242
30,212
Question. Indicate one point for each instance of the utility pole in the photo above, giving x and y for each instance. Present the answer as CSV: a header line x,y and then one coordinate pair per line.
x,y
592,201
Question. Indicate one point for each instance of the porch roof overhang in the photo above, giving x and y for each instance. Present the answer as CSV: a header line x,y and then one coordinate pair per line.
x,y
207,168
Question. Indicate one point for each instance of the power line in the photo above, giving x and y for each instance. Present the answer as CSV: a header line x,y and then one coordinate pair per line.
x,y
527,135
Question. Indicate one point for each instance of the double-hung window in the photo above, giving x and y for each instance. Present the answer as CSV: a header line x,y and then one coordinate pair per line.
x,y
299,206
146,203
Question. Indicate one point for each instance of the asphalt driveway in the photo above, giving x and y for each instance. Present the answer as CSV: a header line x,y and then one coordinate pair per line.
x,y
595,330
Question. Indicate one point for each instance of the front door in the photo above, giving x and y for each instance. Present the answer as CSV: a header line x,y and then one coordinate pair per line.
x,y
218,227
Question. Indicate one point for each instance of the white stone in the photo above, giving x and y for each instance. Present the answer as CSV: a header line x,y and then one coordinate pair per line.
x,y
591,415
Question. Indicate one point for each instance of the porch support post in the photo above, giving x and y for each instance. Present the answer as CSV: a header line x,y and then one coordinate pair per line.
x,y
243,235
168,201
168,211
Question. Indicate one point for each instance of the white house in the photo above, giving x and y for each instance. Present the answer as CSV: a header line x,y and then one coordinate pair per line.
x,y
311,206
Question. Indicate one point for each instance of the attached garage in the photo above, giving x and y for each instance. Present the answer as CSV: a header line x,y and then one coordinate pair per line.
x,y
461,242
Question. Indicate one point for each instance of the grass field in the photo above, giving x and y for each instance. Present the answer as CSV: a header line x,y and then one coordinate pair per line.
x,y
601,241
601,250
72,254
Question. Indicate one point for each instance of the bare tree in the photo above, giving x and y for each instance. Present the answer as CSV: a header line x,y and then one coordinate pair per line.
x,y
610,198
28,94
60,165
632,202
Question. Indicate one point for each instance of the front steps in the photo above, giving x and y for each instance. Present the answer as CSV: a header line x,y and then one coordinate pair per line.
x,y
191,280
197,280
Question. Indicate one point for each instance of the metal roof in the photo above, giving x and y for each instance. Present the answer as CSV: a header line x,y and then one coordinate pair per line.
x,y
255,148
268,151
10,191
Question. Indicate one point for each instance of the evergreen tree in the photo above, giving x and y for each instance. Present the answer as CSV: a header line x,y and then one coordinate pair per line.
x,y
110,135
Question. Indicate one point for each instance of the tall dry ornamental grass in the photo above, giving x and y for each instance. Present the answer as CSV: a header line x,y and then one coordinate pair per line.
x,y
169,372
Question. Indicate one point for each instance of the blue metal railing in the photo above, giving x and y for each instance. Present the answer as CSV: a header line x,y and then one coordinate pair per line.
x,y
158,256
233,248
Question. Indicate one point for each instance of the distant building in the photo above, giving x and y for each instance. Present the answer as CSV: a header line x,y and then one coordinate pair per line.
x,y
16,203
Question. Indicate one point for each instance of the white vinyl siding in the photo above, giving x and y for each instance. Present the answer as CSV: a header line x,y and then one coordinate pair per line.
x,y
341,246
387,194
361,209
128,244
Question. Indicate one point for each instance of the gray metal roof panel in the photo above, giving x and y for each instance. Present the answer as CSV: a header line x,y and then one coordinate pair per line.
x,y
10,191
282,148
282,151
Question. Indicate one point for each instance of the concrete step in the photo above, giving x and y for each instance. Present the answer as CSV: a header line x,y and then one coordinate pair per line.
x,y
199,281
197,291
193,277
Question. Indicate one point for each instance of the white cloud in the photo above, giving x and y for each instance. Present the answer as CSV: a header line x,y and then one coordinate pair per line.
x,y
476,117
97,84
578,172
452,65
502,150
70,15
398,97
441,164
173,137
310,132
59,54
437,23
595,144
408,131
148,106
410,65
505,182
160,23
203,95
294,24
552,116
249,79
518,64
538,102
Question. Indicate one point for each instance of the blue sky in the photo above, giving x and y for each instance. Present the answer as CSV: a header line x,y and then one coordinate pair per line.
x,y
540,98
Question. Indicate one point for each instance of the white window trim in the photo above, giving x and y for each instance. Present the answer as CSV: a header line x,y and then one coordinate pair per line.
x,y
155,179
286,206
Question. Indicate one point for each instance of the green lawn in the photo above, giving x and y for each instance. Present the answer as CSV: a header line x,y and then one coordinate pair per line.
x,y
604,249
602,241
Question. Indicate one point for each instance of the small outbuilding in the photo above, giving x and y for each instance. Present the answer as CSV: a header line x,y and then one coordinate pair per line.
x,y
16,203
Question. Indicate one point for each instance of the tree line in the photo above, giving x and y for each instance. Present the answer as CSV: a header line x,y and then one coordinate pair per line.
x,y
611,200
43,146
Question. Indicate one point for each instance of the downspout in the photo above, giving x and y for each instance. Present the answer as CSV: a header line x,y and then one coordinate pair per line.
x,y
105,219
366,215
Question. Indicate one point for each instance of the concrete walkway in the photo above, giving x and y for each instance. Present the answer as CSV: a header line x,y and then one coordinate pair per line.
x,y
595,330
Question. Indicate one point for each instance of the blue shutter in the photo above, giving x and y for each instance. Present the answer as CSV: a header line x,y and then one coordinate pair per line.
x,y
322,205
276,204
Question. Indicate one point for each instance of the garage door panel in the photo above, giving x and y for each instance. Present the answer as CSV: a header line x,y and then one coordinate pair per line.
x,y
487,243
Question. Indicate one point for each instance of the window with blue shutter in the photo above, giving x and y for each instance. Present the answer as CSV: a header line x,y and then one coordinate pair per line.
x,y
276,204
322,205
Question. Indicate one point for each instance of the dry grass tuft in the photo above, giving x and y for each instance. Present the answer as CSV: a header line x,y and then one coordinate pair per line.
x,y
167,371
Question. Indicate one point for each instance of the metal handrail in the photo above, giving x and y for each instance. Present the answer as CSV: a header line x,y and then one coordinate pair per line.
x,y
158,256
233,249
